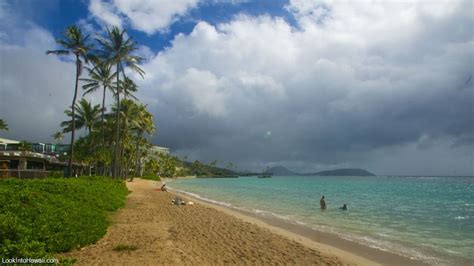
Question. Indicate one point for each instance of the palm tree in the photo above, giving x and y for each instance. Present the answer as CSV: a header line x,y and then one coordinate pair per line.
x,y
24,146
58,136
85,116
142,123
3,125
117,50
76,43
128,87
100,76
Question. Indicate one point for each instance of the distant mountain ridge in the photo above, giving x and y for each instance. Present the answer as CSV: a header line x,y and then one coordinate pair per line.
x,y
280,170
283,171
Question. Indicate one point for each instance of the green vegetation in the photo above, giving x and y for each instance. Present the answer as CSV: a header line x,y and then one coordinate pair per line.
x,y
164,165
24,146
3,125
116,141
208,170
76,43
117,49
124,247
40,217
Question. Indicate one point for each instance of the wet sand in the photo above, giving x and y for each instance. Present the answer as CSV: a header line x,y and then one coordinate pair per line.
x,y
199,234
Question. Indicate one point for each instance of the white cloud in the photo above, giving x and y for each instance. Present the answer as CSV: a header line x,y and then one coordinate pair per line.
x,y
368,86
35,88
365,77
148,16
105,12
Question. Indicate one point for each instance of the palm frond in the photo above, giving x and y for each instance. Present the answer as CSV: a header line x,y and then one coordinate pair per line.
x,y
58,52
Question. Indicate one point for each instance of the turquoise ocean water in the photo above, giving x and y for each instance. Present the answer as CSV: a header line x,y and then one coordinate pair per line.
x,y
426,218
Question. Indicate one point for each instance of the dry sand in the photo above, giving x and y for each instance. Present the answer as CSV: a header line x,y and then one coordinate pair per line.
x,y
200,234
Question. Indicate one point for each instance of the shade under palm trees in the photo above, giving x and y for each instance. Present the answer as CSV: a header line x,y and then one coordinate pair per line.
x,y
76,43
117,49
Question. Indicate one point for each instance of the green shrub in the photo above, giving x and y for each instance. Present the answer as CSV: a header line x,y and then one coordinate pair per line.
x,y
40,217
55,174
123,247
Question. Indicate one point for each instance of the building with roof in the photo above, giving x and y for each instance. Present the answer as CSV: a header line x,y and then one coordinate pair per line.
x,y
41,159
156,150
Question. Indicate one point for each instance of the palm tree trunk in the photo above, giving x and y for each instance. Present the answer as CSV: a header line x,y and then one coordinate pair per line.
x,y
92,150
71,153
117,127
103,115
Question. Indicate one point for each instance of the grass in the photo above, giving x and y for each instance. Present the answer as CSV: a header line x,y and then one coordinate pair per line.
x,y
41,217
123,247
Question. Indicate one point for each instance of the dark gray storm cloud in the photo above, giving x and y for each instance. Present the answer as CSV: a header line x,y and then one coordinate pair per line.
x,y
387,87
258,92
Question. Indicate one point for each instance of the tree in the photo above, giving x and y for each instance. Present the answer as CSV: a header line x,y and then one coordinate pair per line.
x,y
100,76
142,123
76,43
128,87
117,49
24,146
167,165
58,136
3,125
86,116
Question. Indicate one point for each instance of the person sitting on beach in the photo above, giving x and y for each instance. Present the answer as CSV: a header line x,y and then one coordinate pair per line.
x,y
322,202
344,207
163,187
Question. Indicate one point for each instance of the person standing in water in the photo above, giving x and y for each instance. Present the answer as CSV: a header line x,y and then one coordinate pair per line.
x,y
322,202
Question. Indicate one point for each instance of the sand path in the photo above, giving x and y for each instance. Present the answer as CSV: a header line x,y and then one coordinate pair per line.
x,y
192,235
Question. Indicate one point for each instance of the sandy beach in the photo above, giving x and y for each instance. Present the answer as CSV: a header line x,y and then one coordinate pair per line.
x,y
199,234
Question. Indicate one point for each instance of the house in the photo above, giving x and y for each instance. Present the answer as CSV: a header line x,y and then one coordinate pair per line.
x,y
35,163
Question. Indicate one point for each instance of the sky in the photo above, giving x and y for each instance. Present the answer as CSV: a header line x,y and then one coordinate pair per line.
x,y
309,85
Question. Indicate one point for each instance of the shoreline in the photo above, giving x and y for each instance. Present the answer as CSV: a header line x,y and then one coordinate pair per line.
x,y
331,244
150,230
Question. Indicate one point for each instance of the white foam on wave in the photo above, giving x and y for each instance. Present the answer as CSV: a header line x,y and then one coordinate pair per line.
x,y
459,218
392,247
286,218
385,235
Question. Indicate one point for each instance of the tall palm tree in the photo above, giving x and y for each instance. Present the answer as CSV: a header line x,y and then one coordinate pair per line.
x,y
100,76
127,113
117,49
74,42
3,125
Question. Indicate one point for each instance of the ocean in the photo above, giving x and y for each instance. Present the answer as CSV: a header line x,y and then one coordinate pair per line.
x,y
425,218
